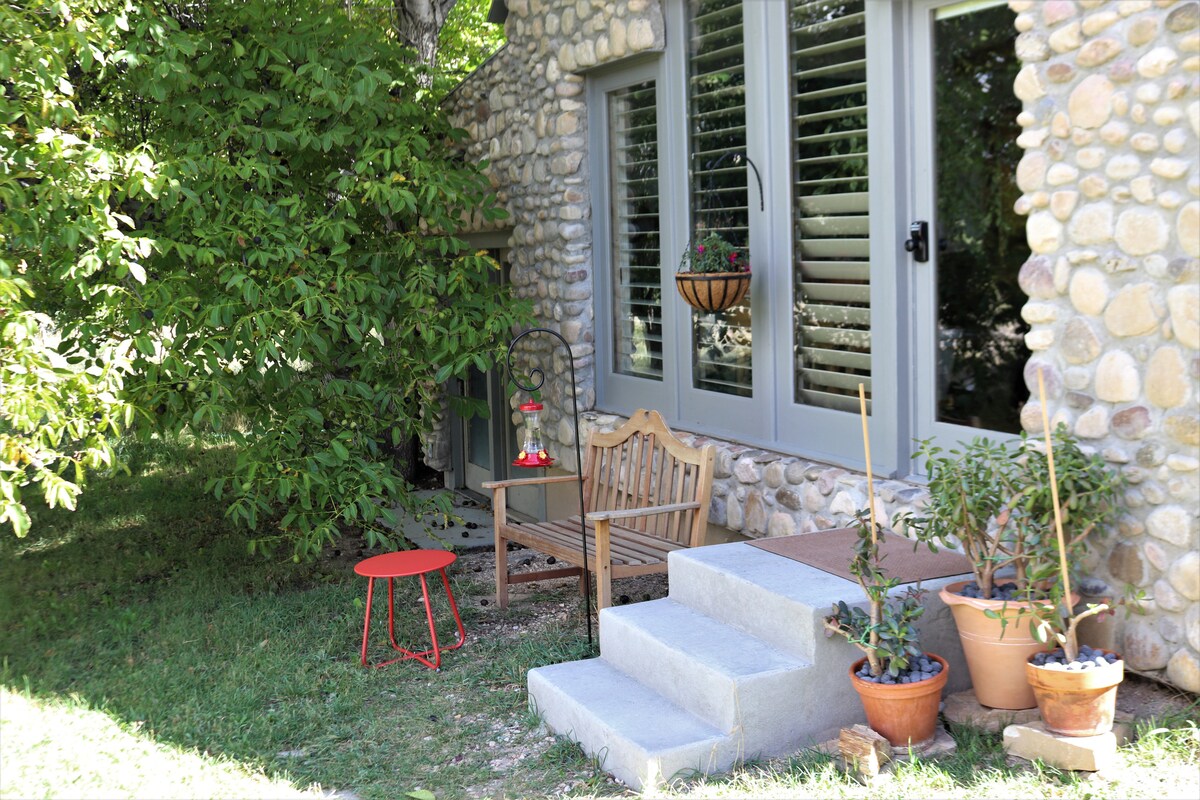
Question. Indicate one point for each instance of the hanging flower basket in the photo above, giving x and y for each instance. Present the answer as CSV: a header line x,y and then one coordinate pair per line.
x,y
712,291
713,275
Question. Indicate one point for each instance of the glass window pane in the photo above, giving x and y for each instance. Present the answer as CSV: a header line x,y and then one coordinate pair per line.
x,y
831,305
980,239
717,125
637,270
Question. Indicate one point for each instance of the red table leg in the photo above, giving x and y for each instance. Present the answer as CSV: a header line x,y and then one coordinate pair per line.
x,y
435,650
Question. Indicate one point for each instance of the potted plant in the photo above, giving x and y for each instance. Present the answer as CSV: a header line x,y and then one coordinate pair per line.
x,y
993,500
713,274
899,685
1075,686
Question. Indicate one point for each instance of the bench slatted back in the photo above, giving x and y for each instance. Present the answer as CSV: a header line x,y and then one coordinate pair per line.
x,y
643,464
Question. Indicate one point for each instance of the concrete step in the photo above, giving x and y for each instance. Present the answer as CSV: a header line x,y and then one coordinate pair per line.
x,y
735,681
765,595
635,733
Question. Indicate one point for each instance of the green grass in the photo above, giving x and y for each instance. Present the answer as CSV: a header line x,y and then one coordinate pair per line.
x,y
145,653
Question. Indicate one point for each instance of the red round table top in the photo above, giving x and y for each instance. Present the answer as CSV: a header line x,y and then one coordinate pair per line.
x,y
404,563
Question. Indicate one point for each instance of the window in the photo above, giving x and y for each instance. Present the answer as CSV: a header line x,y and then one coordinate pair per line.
x,y
636,270
836,102
721,343
831,247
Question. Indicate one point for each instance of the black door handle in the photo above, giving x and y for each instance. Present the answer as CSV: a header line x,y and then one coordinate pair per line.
x,y
918,241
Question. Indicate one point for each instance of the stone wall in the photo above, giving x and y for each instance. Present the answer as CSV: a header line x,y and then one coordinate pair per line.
x,y
1110,181
524,111
1110,177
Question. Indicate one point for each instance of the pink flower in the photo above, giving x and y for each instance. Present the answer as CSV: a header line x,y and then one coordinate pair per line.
x,y
699,248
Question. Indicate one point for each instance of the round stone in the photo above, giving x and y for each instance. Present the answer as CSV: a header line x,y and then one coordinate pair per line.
x,y
1031,171
1040,339
1093,423
1043,232
1184,18
1117,378
1142,30
1187,228
1149,93
1062,203
1157,62
1092,224
1060,174
1098,51
1090,157
1183,305
1165,596
1090,102
1080,344
1183,428
1142,188
1167,384
1140,232
1132,312
773,475
1169,168
1089,291
1036,278
1156,555
1175,140
1144,143
789,498
1126,564
1193,116
1038,313
1184,575
1167,115
1191,622
1066,38
1101,20
1032,47
1114,133
781,524
1055,11
1144,647
1131,422
1175,525
1093,187
1060,72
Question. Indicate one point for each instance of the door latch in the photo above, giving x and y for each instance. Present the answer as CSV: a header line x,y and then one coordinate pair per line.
x,y
918,241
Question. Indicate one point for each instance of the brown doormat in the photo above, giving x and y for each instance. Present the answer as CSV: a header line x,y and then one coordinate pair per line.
x,y
832,550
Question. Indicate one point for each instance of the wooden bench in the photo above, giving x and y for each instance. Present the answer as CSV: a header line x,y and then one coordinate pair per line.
x,y
645,493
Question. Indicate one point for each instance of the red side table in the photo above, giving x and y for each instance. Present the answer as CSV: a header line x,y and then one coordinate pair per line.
x,y
400,565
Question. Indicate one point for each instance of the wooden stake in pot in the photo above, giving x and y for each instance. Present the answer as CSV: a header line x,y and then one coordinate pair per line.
x,y
1071,647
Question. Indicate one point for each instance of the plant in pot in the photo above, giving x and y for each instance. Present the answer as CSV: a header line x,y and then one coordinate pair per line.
x,y
899,685
1075,685
713,274
993,500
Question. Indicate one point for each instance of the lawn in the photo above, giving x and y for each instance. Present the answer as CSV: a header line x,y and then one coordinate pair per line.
x,y
146,653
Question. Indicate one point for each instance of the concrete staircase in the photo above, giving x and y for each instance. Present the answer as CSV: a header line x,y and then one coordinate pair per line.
x,y
732,666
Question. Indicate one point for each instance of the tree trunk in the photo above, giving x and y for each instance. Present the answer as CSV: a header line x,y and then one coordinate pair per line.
x,y
418,23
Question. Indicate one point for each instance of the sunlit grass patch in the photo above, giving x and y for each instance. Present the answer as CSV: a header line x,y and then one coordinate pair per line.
x,y
63,748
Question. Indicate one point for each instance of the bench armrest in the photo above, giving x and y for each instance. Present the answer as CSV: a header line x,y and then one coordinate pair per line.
x,y
529,481
648,511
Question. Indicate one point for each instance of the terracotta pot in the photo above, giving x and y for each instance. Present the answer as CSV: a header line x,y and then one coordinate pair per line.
x,y
712,291
995,661
1076,703
906,713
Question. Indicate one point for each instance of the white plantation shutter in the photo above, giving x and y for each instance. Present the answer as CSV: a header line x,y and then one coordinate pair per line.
x,y
717,131
831,227
637,271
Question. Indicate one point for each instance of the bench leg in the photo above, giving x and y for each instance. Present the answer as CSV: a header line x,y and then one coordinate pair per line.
x,y
603,565
500,518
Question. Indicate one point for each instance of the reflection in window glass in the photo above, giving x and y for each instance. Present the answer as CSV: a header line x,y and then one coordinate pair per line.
x,y
717,125
637,270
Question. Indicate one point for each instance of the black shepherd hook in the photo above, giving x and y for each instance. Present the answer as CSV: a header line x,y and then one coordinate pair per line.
x,y
737,157
537,377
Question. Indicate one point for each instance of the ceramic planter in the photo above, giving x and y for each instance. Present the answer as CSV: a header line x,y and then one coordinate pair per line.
x,y
712,291
1076,703
906,713
996,662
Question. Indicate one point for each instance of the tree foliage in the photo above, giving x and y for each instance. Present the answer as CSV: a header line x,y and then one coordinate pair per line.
x,y
265,237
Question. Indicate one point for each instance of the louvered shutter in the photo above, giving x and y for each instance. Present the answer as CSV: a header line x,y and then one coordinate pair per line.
x,y
831,227
717,125
633,176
